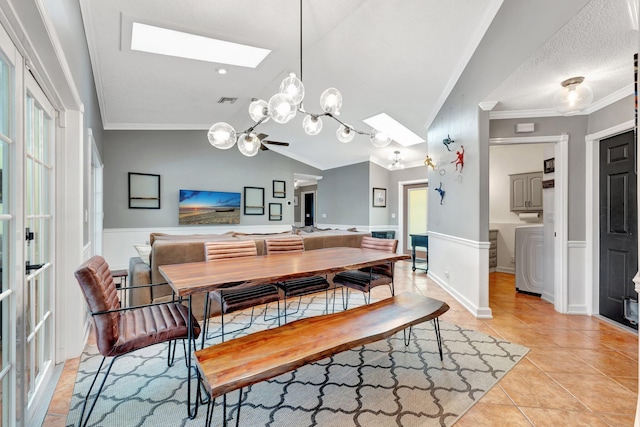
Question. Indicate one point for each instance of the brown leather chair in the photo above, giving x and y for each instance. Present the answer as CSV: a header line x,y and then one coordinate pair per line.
x,y
366,278
236,296
303,285
119,330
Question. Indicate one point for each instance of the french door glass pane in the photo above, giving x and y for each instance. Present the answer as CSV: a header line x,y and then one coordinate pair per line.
x,y
5,97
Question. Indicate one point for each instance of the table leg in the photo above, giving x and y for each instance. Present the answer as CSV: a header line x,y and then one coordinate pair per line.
x,y
413,258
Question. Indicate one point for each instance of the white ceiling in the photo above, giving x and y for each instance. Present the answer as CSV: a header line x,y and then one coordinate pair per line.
x,y
401,57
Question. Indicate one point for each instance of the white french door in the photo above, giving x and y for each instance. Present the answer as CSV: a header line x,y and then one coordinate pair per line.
x,y
26,239
9,287
38,302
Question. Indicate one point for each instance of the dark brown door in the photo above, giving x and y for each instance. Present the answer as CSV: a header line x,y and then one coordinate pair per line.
x,y
309,209
618,224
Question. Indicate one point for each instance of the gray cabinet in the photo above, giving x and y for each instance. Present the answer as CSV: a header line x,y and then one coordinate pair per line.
x,y
526,192
493,250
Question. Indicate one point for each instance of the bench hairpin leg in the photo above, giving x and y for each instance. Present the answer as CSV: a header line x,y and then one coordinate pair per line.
x,y
210,407
436,326
407,336
239,406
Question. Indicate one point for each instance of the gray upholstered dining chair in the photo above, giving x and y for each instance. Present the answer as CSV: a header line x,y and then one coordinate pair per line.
x,y
301,286
366,278
120,331
236,296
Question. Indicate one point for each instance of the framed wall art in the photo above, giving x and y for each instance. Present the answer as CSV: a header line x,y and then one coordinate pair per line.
x,y
208,207
379,197
279,189
253,201
144,191
275,211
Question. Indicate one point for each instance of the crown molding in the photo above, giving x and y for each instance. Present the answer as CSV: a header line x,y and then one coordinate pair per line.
x,y
487,105
549,112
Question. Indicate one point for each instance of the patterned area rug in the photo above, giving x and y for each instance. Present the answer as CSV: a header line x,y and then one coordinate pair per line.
x,y
380,384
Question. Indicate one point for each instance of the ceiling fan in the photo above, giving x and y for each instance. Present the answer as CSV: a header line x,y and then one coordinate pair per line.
x,y
262,137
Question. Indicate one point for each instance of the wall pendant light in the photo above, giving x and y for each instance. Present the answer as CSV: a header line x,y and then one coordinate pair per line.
x,y
574,97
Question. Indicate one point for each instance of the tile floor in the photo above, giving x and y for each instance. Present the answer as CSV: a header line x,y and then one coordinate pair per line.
x,y
581,371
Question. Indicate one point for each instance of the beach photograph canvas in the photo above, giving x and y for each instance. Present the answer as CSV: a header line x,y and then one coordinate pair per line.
x,y
208,207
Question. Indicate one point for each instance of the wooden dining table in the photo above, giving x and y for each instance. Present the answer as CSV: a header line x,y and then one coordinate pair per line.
x,y
189,279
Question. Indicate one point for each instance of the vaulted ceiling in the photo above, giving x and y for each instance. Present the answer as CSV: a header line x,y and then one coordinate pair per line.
x,y
401,57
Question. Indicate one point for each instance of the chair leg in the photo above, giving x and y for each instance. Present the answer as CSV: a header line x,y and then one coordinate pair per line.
x,y
205,320
436,326
345,301
83,421
223,333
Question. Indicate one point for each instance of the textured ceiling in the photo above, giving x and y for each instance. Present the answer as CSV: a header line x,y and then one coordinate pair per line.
x,y
401,57
598,44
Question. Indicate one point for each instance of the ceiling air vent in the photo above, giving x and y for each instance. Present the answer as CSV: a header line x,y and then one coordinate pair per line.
x,y
227,100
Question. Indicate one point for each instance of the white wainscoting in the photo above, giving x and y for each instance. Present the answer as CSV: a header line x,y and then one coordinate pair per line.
x,y
461,267
578,287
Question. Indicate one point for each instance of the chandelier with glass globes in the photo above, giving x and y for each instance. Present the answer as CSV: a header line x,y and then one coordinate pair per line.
x,y
282,108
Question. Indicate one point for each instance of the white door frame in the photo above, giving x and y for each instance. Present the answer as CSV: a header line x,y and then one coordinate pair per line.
x,y
561,202
592,197
401,185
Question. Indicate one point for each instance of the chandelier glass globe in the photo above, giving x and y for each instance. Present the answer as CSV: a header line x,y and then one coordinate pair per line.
x,y
379,139
222,135
331,100
282,108
293,88
248,144
312,125
258,110
574,96
345,134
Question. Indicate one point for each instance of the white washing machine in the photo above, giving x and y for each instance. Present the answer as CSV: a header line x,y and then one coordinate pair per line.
x,y
529,259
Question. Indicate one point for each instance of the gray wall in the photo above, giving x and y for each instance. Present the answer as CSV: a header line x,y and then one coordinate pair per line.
x,y
66,17
343,195
465,212
576,128
186,160
612,115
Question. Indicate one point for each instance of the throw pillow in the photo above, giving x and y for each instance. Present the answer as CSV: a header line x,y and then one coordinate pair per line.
x,y
144,251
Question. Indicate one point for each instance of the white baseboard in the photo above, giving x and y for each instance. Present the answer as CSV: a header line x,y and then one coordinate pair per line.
x,y
507,270
480,313
577,309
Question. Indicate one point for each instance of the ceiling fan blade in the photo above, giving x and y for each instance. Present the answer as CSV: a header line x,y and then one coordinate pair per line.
x,y
263,147
262,136
283,144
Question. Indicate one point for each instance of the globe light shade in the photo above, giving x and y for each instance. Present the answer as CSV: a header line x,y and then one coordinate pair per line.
x,y
222,135
379,139
573,97
312,125
282,108
248,144
331,100
293,88
258,110
345,134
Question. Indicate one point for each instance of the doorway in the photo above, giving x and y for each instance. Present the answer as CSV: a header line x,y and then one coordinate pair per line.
x,y
308,207
557,289
618,226
415,215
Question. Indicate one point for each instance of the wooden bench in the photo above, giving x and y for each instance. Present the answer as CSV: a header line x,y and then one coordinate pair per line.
x,y
266,354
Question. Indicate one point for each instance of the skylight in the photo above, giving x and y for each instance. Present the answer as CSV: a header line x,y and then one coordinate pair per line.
x,y
394,129
162,41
